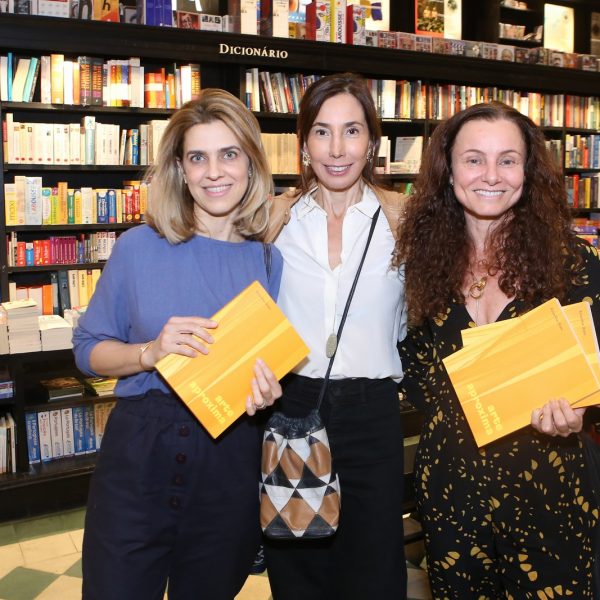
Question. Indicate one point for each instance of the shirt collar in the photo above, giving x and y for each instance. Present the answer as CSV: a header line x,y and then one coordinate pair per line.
x,y
367,205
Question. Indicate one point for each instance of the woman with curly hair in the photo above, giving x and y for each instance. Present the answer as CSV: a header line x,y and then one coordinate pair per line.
x,y
487,237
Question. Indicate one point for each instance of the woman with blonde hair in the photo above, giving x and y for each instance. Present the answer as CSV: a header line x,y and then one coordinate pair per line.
x,y
169,504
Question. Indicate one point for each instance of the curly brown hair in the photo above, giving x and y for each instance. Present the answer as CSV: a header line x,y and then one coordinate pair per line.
x,y
533,247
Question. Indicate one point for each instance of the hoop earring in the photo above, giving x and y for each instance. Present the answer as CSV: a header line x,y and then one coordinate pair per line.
x,y
370,154
305,159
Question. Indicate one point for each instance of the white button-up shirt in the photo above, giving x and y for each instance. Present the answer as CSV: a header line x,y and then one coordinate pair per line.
x,y
313,296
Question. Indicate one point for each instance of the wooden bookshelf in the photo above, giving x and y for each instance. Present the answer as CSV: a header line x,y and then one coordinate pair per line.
x,y
223,58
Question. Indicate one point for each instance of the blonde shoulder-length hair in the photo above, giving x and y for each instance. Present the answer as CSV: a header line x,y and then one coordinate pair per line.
x,y
171,206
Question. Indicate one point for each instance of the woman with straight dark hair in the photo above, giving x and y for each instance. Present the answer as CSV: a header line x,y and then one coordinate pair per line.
x,y
322,242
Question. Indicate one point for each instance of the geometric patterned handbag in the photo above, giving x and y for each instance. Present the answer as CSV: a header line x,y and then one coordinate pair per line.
x,y
299,490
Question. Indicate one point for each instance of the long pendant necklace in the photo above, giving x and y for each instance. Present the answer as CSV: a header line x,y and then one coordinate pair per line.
x,y
476,290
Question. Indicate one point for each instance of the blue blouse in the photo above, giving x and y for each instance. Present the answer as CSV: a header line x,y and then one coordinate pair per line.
x,y
147,280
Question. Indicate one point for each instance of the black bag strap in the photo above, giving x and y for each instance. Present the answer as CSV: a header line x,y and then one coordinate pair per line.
x,y
346,308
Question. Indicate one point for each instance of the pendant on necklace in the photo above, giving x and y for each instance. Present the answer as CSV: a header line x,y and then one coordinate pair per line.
x,y
331,345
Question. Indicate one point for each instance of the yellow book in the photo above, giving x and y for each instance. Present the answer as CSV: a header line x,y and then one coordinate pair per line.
x,y
78,206
215,386
82,287
501,380
10,204
580,318
62,214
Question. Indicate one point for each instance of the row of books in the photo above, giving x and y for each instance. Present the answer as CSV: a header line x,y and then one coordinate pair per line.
x,y
582,151
65,290
6,382
583,190
63,432
325,20
587,229
281,93
28,202
25,327
8,445
93,81
88,142
83,248
555,147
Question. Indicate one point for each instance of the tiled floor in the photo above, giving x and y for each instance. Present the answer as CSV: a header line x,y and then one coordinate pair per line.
x,y
40,559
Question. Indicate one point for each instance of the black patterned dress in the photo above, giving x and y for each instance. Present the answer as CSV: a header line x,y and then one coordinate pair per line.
x,y
513,519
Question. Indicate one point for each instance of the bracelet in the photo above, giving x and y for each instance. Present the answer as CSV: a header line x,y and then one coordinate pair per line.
x,y
143,349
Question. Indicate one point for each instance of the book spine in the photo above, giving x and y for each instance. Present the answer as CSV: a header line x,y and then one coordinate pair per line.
x,y
56,433
44,435
90,435
67,432
33,439
79,430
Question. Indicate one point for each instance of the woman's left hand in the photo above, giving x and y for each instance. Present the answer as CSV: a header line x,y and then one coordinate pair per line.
x,y
265,388
557,417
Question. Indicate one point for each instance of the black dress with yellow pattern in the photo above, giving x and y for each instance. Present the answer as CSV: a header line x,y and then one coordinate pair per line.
x,y
513,519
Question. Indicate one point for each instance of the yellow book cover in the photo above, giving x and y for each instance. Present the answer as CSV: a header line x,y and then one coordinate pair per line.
x,y
82,287
215,386
63,212
500,381
10,204
579,316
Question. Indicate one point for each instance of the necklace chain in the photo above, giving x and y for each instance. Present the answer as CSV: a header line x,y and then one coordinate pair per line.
x,y
475,291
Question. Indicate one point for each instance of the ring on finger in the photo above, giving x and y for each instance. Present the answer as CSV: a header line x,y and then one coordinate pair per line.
x,y
260,406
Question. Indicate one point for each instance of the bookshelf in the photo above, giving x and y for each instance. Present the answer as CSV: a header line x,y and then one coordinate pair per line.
x,y
224,59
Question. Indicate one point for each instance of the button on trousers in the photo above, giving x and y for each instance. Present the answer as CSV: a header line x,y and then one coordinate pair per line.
x,y
167,502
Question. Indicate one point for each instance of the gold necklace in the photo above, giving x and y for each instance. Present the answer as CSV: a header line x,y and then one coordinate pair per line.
x,y
476,290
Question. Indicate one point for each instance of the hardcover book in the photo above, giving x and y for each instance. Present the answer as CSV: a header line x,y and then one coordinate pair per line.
x,y
60,388
215,386
518,365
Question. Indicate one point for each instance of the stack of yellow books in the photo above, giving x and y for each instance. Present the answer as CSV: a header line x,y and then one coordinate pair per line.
x,y
215,385
508,368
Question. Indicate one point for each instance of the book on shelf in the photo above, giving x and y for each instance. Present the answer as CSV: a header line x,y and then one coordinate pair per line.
x,y
19,79
55,332
62,388
508,368
7,444
105,10
245,14
215,386
274,18
100,386
407,154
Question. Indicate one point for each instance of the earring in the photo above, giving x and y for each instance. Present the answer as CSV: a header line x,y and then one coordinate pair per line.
x,y
305,159
250,172
370,154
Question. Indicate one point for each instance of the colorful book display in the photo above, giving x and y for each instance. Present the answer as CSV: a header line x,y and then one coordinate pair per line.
x,y
215,386
508,368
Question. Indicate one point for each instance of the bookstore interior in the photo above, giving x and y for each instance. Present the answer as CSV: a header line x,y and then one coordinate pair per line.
x,y
87,87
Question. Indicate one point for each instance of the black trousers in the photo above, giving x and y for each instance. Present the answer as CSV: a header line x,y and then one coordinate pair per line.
x,y
169,503
365,558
